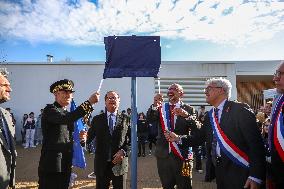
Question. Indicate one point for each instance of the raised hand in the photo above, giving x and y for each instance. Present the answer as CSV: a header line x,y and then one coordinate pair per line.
x,y
94,98
158,100
180,112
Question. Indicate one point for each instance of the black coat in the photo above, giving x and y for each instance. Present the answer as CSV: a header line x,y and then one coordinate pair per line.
x,y
182,127
142,129
57,129
105,141
169,165
239,124
277,164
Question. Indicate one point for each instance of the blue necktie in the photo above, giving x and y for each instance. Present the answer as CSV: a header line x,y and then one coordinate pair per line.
x,y
110,123
214,141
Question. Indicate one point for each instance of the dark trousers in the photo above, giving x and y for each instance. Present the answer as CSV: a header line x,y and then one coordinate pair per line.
x,y
103,181
141,146
277,171
54,180
210,170
198,153
169,170
152,140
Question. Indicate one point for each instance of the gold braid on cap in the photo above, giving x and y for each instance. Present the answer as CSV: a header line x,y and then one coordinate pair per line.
x,y
87,107
66,86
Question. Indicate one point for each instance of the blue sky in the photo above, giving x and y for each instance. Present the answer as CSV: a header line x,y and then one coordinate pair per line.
x,y
189,29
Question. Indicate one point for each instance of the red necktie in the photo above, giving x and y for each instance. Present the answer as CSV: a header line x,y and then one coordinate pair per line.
x,y
172,107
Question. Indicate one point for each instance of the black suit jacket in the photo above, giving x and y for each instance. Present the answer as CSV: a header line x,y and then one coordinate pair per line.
x,y
277,163
182,127
105,141
239,124
57,129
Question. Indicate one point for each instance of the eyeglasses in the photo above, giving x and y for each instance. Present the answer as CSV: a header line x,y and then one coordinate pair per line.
x,y
112,98
4,85
278,73
208,89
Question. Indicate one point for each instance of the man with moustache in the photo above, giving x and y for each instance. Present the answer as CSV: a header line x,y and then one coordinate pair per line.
x,y
276,136
111,130
174,158
7,136
235,143
57,123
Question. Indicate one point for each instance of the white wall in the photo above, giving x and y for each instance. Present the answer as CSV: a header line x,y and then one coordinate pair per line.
x,y
256,67
201,69
30,84
30,81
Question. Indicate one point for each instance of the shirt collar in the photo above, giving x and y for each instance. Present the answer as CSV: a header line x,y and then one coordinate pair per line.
x,y
221,105
108,113
176,104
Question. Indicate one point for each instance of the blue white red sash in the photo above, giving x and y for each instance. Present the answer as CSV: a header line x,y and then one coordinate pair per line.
x,y
226,145
164,111
278,128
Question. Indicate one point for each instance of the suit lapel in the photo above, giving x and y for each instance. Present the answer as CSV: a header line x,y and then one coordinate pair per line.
x,y
117,122
8,121
3,141
225,113
106,122
179,117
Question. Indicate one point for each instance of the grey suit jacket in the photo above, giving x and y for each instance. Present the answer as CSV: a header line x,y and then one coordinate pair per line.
x,y
7,154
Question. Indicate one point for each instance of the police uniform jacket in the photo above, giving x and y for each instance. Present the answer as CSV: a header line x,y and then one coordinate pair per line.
x,y
57,129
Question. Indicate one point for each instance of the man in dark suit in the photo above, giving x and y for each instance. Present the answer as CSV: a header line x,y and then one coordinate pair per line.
x,y
240,160
236,149
57,128
7,136
181,119
111,131
276,137
238,124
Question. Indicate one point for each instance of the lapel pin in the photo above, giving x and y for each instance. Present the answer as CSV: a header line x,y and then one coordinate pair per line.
x,y
227,110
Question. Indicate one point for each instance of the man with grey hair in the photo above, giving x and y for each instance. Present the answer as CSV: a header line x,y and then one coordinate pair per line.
x,y
276,137
235,143
7,135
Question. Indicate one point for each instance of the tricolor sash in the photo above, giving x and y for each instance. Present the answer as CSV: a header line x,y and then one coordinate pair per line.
x,y
278,128
164,111
226,145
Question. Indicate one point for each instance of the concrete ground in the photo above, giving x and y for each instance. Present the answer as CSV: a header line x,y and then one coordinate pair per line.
x,y
147,175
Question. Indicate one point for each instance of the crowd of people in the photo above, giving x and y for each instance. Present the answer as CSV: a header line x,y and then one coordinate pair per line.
x,y
31,133
243,148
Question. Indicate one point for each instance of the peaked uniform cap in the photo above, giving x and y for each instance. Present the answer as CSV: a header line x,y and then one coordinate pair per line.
x,y
62,85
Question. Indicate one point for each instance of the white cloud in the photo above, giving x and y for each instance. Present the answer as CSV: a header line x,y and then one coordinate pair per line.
x,y
85,23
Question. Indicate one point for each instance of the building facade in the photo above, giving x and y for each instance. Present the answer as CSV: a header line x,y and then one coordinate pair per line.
x,y
31,81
